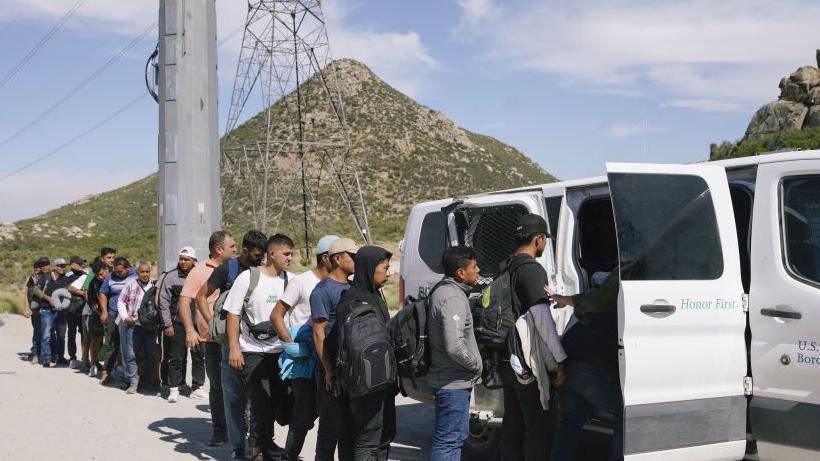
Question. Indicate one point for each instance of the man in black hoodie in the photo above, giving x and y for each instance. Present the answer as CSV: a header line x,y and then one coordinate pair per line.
x,y
374,415
526,432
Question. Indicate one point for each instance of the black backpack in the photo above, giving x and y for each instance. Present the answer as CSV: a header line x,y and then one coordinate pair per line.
x,y
365,362
495,313
148,313
409,337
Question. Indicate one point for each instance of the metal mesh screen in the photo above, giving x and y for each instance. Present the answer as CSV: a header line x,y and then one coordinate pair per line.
x,y
491,232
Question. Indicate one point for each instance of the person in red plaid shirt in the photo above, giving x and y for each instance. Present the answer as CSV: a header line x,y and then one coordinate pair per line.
x,y
132,335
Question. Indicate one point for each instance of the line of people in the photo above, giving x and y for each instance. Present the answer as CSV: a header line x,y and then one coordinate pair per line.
x,y
276,347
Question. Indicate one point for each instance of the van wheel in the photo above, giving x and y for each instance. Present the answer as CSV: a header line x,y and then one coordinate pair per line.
x,y
484,443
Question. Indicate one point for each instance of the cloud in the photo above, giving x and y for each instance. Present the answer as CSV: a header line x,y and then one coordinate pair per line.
x,y
708,105
24,197
474,14
628,130
732,52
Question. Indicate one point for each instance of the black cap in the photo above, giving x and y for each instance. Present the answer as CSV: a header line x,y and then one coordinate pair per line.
x,y
76,260
42,261
531,224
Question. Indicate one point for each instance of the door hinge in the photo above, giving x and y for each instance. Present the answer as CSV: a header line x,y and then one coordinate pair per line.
x,y
745,303
748,385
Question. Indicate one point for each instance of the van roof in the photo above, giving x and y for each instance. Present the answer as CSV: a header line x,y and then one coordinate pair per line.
x,y
735,163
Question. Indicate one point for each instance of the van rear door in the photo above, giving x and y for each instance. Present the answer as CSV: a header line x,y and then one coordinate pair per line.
x,y
783,311
681,320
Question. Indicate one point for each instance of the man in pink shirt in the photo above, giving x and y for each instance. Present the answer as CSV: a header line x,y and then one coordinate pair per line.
x,y
221,247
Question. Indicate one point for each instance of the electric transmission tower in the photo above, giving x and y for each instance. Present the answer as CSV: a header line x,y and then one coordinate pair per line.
x,y
296,149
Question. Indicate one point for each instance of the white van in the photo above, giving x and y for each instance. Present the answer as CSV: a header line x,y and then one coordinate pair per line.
x,y
720,281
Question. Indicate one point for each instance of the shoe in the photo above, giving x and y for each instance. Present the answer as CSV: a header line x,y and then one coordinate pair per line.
x,y
61,362
34,360
173,395
46,364
75,364
92,372
132,389
238,454
217,441
199,394
104,377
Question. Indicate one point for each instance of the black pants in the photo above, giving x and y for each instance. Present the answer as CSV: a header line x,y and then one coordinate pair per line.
x,y
261,377
374,419
334,423
304,415
175,361
527,430
213,367
75,325
112,344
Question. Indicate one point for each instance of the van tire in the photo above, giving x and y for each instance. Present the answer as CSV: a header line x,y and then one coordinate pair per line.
x,y
484,443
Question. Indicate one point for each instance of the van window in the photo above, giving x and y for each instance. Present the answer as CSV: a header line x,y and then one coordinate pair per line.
x,y
433,240
491,232
553,213
667,228
742,203
800,207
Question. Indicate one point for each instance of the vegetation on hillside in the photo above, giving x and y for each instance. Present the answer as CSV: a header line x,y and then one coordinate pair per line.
x,y
804,139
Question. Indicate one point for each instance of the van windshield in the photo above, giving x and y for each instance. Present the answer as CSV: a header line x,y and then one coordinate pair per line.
x,y
800,208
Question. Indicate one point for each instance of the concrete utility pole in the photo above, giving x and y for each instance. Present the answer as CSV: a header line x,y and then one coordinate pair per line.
x,y
190,207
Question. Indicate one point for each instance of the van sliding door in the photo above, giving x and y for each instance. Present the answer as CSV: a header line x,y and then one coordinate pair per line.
x,y
681,320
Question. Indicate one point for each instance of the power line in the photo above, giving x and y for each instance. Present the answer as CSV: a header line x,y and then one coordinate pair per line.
x,y
99,71
39,45
77,137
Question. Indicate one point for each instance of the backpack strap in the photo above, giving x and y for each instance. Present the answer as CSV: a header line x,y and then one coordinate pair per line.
x,y
254,281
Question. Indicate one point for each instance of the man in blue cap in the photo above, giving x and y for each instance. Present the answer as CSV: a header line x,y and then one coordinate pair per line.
x,y
291,318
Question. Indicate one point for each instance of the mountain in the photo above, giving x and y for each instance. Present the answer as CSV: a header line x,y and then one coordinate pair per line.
x,y
791,122
404,152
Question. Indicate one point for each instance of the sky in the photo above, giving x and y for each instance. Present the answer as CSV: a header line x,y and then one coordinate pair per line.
x,y
573,84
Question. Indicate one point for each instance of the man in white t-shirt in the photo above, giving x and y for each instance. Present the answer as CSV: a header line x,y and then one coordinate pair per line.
x,y
255,353
291,318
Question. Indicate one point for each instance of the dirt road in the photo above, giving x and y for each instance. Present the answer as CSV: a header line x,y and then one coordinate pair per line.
x,y
61,414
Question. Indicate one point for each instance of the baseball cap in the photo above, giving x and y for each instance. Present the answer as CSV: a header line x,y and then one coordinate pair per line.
x,y
76,260
60,262
531,224
189,252
343,245
42,261
323,246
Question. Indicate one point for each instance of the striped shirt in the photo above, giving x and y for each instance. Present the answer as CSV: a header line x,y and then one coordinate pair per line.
x,y
130,299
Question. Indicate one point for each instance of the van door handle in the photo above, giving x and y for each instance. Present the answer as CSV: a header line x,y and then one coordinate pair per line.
x,y
781,314
658,310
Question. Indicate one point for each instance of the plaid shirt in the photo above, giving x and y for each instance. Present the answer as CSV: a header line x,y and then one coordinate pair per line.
x,y
131,298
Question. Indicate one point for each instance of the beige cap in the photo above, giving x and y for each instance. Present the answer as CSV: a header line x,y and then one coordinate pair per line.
x,y
343,245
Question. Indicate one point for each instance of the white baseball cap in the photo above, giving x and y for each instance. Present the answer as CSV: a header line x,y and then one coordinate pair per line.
x,y
189,252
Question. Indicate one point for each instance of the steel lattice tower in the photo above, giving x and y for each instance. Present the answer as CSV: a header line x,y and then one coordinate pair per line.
x,y
300,139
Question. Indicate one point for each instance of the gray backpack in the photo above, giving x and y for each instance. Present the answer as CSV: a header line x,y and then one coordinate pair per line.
x,y
217,327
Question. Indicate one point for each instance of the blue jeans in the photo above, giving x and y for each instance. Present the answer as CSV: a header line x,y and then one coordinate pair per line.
x,y
47,320
234,399
129,356
60,325
36,334
587,387
147,340
452,426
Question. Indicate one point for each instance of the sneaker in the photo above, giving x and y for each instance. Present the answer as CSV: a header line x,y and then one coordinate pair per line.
x,y
34,360
238,454
132,389
46,364
92,372
199,394
75,364
217,441
104,377
173,395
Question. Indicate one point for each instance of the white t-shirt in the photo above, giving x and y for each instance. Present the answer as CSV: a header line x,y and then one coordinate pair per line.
x,y
78,285
260,305
297,296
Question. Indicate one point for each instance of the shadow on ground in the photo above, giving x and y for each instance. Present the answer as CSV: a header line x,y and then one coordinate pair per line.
x,y
189,436
414,430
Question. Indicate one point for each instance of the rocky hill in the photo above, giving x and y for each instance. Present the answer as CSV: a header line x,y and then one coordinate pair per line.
x,y
791,122
405,153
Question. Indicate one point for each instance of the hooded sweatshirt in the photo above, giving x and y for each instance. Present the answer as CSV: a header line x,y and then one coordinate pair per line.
x,y
363,288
